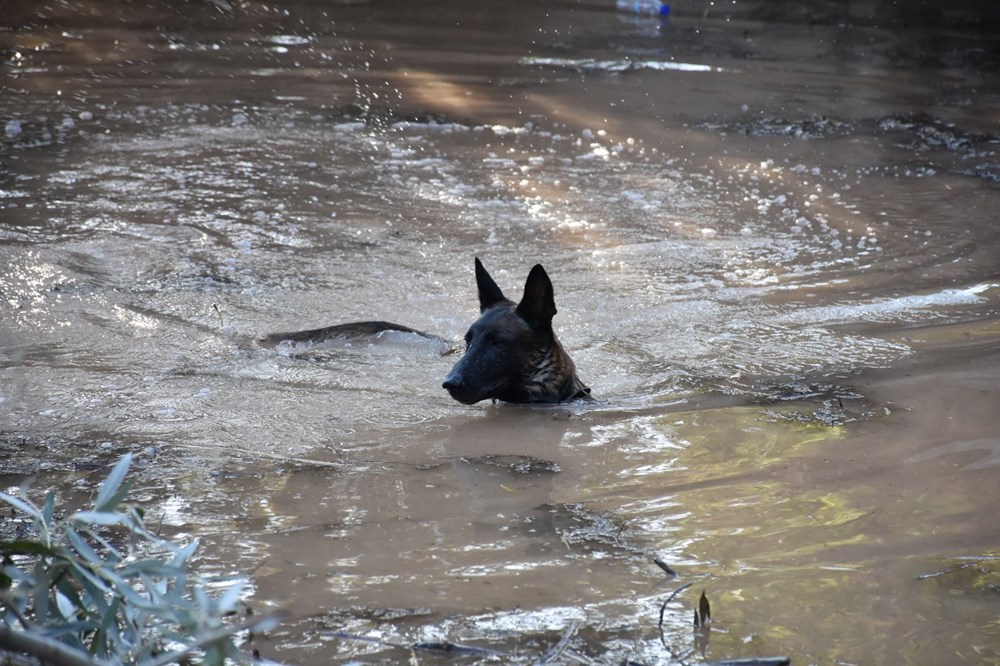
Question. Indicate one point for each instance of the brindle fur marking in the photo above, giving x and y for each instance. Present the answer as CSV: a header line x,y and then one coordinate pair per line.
x,y
512,353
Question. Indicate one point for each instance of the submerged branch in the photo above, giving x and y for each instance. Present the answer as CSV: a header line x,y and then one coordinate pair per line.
x,y
663,609
753,661
437,646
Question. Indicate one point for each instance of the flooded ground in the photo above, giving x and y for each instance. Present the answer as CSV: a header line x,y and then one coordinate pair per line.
x,y
773,237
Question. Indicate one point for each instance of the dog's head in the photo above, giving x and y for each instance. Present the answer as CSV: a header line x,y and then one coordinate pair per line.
x,y
507,348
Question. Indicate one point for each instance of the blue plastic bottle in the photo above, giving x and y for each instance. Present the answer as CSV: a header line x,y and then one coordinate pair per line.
x,y
643,7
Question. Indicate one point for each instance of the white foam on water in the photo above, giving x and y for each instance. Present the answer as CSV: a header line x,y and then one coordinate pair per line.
x,y
622,65
888,308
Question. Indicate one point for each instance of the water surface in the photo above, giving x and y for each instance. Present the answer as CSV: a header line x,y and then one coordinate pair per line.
x,y
773,241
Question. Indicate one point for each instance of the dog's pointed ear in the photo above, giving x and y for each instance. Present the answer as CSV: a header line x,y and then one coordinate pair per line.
x,y
489,292
538,305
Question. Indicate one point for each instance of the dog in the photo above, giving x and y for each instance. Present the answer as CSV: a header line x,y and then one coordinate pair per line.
x,y
511,352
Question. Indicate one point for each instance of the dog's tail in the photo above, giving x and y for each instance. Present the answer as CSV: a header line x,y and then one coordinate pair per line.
x,y
351,331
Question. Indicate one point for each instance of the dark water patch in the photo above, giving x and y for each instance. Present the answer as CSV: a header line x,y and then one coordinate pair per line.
x,y
825,405
930,133
339,617
516,465
70,460
811,128
591,531
918,132
800,390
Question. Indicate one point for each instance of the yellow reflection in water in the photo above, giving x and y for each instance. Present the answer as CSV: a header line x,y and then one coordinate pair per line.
x,y
797,555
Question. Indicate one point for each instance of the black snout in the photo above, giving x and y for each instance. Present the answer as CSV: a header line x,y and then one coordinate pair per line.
x,y
452,383
492,357
459,390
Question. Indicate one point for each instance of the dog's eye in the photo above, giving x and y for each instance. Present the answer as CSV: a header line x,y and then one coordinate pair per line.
x,y
468,338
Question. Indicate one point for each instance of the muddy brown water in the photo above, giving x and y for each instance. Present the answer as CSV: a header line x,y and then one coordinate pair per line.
x,y
772,230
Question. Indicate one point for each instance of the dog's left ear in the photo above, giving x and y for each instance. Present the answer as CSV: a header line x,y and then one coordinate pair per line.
x,y
538,305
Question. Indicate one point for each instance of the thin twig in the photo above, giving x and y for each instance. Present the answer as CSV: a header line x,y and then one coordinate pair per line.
x,y
460,648
753,661
366,639
667,569
570,655
945,572
222,324
8,603
46,650
559,647
663,609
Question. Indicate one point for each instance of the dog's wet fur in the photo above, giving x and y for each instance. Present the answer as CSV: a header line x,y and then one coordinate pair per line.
x,y
511,354
354,330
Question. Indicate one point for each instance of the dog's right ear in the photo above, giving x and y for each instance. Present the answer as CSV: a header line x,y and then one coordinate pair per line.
x,y
489,292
